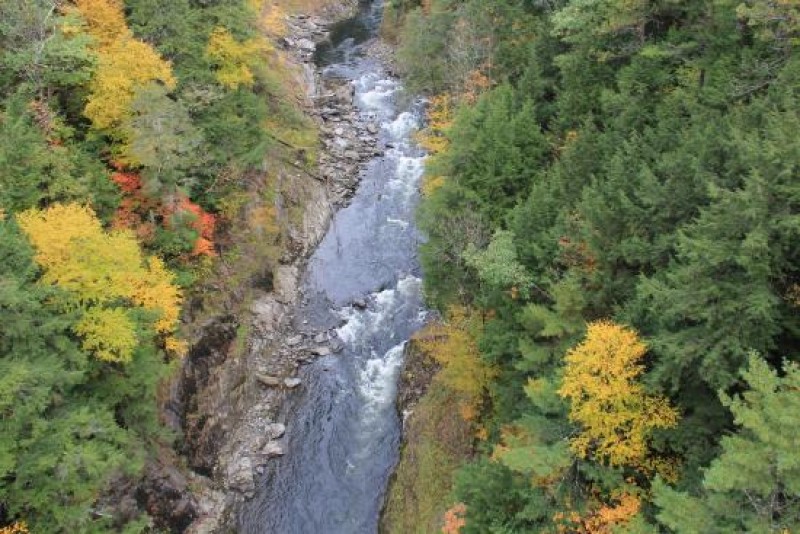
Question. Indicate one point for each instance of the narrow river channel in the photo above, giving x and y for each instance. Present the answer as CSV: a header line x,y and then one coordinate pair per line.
x,y
343,431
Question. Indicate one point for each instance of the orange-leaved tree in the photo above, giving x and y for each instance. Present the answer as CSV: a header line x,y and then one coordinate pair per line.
x,y
142,214
605,519
454,519
105,277
616,415
183,211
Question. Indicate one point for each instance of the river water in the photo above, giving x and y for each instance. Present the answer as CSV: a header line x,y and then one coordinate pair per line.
x,y
343,431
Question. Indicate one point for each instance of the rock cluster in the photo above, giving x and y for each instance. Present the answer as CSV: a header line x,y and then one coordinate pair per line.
x,y
348,137
304,32
275,359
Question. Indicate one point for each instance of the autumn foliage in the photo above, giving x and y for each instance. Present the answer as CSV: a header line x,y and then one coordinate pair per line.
x,y
234,59
604,520
201,221
453,344
105,276
439,117
616,416
142,214
125,63
454,519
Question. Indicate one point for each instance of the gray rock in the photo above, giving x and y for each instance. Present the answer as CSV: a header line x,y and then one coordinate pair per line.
x,y
239,476
275,430
321,351
344,95
294,340
322,337
306,45
273,449
292,383
268,380
372,128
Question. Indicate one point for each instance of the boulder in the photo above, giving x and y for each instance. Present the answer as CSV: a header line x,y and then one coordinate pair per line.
x,y
337,346
273,449
344,94
292,383
239,476
268,380
321,351
275,430
306,45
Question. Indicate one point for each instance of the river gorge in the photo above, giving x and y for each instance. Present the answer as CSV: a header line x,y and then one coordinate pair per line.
x,y
362,289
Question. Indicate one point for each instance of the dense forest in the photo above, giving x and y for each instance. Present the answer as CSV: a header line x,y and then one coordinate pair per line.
x,y
613,240
131,134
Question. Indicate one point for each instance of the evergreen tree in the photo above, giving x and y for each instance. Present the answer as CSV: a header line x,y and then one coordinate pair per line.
x,y
754,484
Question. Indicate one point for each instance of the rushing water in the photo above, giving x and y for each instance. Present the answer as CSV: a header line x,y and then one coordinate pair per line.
x,y
343,430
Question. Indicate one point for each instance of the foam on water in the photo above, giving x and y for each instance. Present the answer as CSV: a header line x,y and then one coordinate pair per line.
x,y
359,324
403,126
377,381
407,176
374,93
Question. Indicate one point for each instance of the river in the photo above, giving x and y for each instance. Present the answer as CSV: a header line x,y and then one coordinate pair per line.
x,y
343,431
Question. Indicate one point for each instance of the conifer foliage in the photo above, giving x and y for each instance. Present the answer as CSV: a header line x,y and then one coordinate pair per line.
x,y
614,188
126,127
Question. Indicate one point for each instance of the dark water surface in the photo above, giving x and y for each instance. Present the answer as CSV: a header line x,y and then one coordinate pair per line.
x,y
342,428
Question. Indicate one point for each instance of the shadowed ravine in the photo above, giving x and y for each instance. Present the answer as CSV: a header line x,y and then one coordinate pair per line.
x,y
343,430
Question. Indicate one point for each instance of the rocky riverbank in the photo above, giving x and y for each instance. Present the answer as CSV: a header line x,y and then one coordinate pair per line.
x,y
227,398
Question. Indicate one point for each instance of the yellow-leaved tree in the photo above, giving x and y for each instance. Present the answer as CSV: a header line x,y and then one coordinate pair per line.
x,y
125,64
453,344
617,416
433,138
105,277
234,59
16,528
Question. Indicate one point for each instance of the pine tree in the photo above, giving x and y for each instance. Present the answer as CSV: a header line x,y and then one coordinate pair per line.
x,y
754,484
